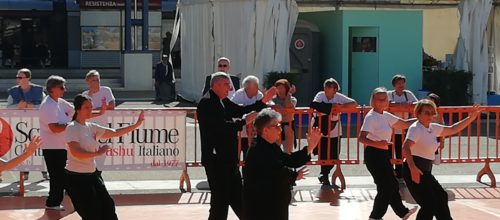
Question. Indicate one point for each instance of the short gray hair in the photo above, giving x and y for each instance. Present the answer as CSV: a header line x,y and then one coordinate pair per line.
x,y
263,119
92,73
215,77
54,81
249,79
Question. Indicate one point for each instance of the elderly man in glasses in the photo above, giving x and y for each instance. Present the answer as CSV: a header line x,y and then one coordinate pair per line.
x,y
223,65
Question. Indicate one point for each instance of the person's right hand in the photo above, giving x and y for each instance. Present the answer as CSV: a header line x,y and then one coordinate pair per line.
x,y
103,149
249,118
383,143
302,172
415,174
269,94
157,83
22,105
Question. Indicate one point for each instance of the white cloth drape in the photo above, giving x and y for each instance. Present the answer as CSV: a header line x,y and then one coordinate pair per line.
x,y
472,48
496,44
254,34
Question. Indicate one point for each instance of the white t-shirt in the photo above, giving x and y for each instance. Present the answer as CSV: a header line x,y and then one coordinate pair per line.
x,y
338,98
379,126
104,93
240,97
425,139
52,111
394,98
87,136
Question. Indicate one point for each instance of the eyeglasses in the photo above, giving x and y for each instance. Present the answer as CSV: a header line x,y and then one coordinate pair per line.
x,y
274,126
222,65
62,88
20,77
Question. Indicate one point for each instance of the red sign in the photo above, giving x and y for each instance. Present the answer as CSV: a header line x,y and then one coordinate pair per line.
x,y
6,137
299,44
116,4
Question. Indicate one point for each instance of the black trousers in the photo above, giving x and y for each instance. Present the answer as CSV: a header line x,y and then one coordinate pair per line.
x,y
378,163
226,190
55,159
398,145
429,194
334,153
90,196
244,147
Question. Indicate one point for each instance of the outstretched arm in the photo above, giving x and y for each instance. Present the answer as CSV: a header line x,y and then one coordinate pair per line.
x,y
32,146
457,127
123,130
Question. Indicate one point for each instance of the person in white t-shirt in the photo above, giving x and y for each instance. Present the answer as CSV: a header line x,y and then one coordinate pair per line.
x,y
98,93
404,100
85,184
54,115
327,102
418,150
376,133
247,95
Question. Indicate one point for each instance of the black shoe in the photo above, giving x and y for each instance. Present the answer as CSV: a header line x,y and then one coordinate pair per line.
x,y
324,180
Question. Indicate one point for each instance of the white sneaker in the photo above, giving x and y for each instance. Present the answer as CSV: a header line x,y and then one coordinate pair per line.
x,y
55,208
410,212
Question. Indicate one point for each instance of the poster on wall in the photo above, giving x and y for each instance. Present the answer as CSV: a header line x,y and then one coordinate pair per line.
x,y
101,38
158,144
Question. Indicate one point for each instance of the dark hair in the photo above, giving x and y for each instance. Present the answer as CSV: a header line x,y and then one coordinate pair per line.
x,y
398,77
26,72
264,117
435,98
331,82
54,81
78,102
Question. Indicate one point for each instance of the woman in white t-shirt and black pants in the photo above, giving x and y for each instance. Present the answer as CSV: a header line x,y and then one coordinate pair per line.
x,y
376,134
418,149
85,185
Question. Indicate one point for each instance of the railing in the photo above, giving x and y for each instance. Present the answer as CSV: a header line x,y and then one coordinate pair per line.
x,y
478,143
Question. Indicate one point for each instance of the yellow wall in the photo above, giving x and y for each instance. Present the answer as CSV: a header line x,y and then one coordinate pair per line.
x,y
440,30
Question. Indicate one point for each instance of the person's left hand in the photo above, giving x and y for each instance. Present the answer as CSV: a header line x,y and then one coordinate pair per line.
x,y
313,138
140,119
269,94
476,110
292,90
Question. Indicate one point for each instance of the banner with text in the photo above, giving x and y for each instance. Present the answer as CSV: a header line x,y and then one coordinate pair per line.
x,y
160,142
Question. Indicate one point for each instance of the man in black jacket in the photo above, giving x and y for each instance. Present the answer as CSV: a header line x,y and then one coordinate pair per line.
x,y
219,148
164,79
223,65
268,177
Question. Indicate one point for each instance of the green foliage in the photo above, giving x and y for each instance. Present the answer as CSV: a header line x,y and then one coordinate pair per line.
x,y
271,77
454,87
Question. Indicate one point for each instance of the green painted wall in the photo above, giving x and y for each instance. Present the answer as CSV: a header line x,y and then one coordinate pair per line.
x,y
399,43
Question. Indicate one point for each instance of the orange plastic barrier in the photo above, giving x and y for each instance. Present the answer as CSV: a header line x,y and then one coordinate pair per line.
x,y
478,143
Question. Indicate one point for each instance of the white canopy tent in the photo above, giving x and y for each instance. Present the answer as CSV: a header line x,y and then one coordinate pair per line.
x,y
254,34
472,48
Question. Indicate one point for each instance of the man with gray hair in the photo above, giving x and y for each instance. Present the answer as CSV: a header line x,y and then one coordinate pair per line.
x,y
54,114
247,95
220,120
268,176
